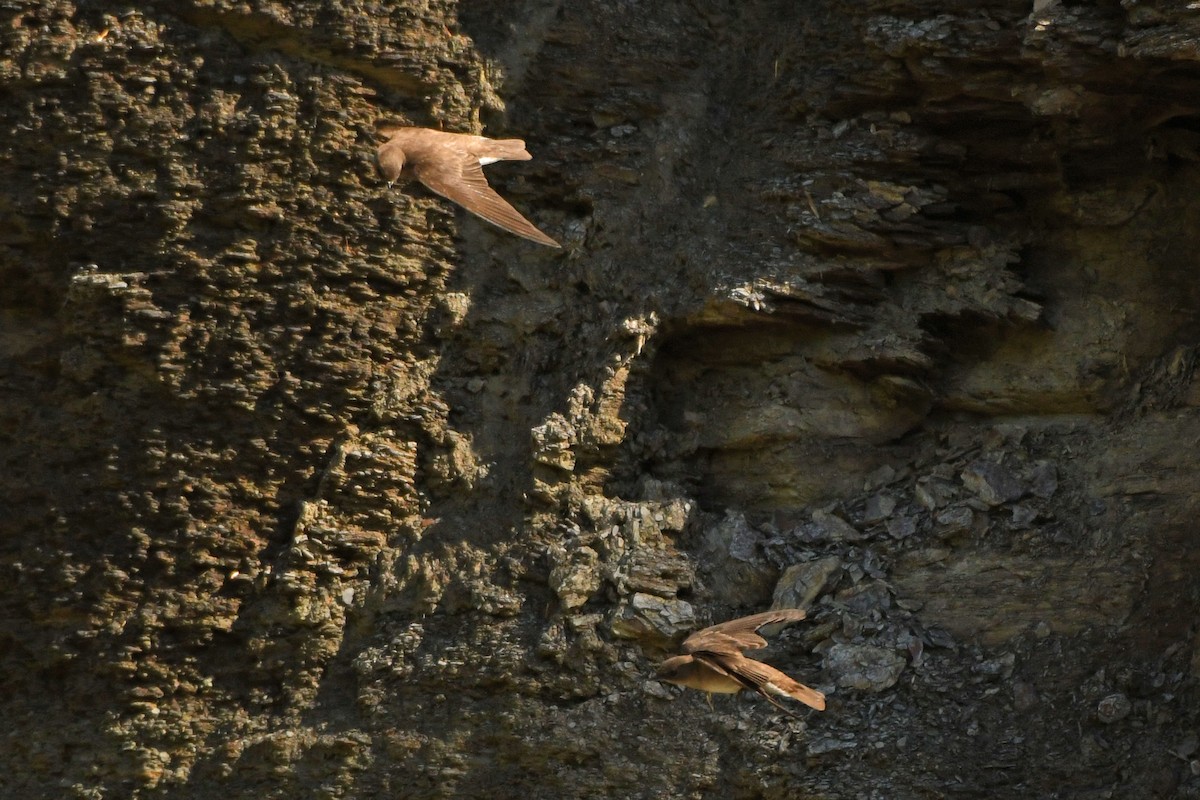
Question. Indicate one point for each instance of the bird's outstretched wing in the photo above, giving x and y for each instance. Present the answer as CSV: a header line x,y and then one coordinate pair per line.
x,y
739,634
464,183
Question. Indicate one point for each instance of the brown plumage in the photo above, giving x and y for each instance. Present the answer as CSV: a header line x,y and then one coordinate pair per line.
x,y
713,661
451,164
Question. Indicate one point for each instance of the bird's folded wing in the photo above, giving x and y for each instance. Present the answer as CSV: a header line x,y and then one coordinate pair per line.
x,y
710,641
501,149
767,680
465,184
741,632
725,665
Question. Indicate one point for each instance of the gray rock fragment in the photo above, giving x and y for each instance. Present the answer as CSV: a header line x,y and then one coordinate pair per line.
x,y
934,493
879,507
657,689
866,597
1113,708
1023,515
885,474
864,667
577,578
829,744
801,584
826,527
654,621
901,527
999,667
956,520
552,443
1025,695
992,483
1044,480
732,554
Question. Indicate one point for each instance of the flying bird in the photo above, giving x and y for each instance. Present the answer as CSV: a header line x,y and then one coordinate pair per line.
x,y
713,662
451,164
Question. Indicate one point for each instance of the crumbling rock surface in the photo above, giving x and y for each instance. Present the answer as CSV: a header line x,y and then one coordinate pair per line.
x,y
315,488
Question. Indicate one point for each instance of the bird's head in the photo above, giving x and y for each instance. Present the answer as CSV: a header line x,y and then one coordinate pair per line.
x,y
391,161
675,669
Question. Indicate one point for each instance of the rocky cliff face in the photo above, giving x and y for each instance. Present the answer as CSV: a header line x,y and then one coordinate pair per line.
x,y
886,310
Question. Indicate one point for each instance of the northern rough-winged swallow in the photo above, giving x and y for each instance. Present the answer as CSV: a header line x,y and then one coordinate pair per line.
x,y
451,164
713,661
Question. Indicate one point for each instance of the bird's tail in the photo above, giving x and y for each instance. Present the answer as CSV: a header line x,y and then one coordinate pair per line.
x,y
798,691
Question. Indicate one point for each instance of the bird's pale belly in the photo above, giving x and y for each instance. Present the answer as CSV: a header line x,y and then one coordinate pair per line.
x,y
710,681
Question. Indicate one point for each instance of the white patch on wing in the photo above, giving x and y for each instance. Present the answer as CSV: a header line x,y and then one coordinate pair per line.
x,y
483,162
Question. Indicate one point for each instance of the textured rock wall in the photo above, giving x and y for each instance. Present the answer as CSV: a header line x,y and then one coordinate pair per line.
x,y
312,488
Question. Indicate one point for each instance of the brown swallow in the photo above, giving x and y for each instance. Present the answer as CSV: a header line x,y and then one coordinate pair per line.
x,y
713,661
451,164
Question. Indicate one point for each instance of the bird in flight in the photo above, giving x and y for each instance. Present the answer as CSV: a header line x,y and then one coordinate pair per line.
x,y
451,164
713,662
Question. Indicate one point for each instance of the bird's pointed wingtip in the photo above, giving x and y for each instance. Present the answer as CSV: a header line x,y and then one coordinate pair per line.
x,y
542,240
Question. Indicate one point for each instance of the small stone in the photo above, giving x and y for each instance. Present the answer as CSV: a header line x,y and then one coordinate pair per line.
x,y
1187,747
736,572
1023,515
1000,666
864,667
552,443
828,745
1113,708
656,619
826,527
901,527
934,493
939,637
577,578
1025,696
657,689
879,507
993,483
803,583
1044,480
866,597
673,515
649,570
880,477
953,521
915,647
